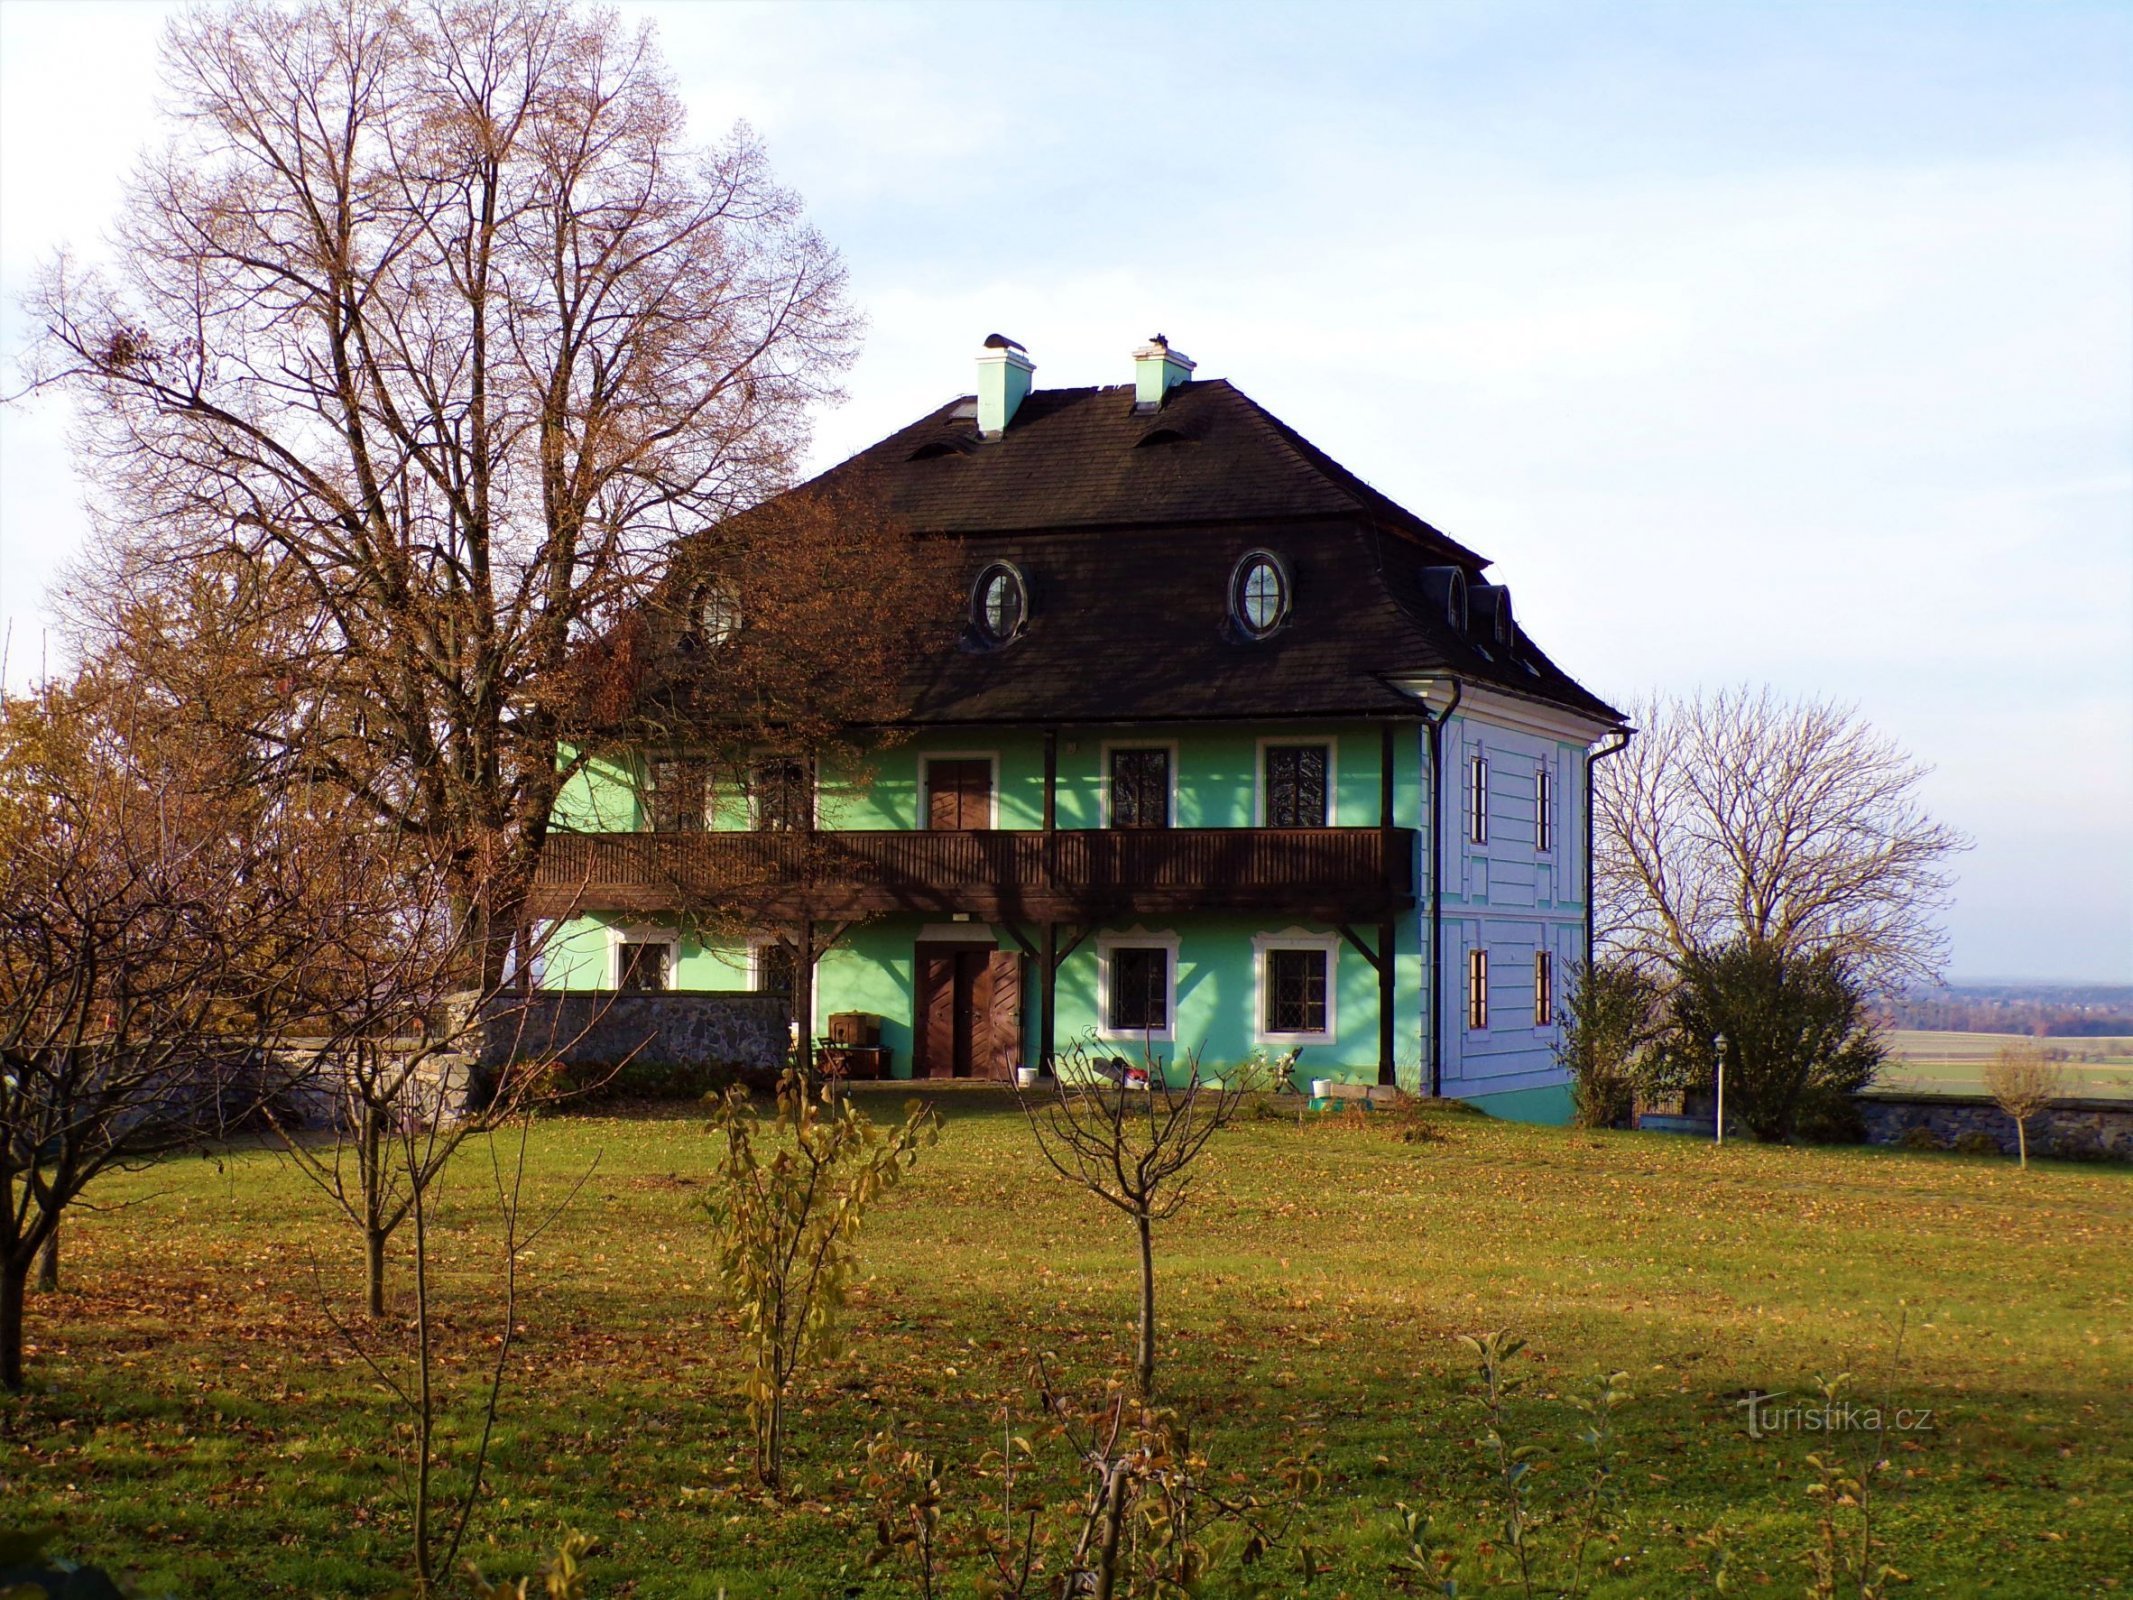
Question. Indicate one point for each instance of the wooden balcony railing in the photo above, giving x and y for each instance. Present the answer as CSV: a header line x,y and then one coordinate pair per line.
x,y
1331,873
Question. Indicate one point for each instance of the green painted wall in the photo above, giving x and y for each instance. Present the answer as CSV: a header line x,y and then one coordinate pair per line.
x,y
1215,776
1217,782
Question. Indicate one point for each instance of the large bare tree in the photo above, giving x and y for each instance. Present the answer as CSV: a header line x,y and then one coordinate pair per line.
x,y
1792,825
432,330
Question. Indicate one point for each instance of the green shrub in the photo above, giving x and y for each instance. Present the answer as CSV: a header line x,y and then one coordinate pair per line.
x,y
1920,1139
604,1083
1611,1019
1976,1143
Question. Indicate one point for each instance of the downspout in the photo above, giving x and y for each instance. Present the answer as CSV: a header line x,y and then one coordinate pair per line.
x,y
1592,759
1436,886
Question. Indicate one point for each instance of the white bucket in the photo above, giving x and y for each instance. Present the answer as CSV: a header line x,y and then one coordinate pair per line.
x,y
1025,1077
1321,1088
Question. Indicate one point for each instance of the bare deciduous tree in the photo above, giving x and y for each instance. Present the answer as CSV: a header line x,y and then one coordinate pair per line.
x,y
396,1058
2024,1079
1133,1149
155,942
1790,825
431,327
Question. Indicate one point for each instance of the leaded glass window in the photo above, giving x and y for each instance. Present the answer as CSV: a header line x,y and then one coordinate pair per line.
x,y
1296,785
1296,991
1140,788
1140,989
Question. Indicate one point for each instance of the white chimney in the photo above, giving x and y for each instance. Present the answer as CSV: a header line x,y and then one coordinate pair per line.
x,y
1004,369
1157,369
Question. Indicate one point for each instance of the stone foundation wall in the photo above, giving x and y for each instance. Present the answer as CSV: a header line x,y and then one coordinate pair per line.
x,y
743,1032
2091,1129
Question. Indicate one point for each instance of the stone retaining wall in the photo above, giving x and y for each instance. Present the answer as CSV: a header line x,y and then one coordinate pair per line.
x,y
2092,1129
742,1032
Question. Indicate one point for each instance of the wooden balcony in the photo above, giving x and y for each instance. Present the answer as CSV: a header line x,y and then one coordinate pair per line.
x,y
1319,874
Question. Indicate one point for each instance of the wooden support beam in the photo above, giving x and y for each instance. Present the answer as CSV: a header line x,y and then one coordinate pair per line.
x,y
1388,995
1355,939
1048,998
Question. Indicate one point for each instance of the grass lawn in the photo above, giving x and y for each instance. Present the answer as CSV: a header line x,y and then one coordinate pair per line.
x,y
1954,1063
194,1416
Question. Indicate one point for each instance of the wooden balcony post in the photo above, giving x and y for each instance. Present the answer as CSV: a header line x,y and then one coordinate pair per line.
x,y
1051,834
1388,988
1048,997
1385,801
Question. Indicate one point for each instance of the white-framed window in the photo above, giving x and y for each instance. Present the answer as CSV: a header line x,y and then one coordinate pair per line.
x,y
1140,783
781,794
1137,986
1543,809
641,960
770,967
959,789
1259,593
1297,785
1477,799
1299,976
677,794
999,603
1477,989
1543,989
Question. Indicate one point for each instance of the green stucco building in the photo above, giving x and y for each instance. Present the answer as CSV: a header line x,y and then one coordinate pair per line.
x,y
1234,753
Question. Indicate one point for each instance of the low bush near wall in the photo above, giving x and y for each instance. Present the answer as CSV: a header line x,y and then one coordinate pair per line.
x,y
586,1084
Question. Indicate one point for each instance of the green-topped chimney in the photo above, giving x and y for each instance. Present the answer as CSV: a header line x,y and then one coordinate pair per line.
x,y
1004,369
1156,370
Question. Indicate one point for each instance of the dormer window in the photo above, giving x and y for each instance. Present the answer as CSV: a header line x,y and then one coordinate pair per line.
x,y
1446,586
1259,594
999,603
718,614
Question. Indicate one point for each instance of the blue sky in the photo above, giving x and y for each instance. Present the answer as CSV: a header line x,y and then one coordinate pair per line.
x,y
1787,344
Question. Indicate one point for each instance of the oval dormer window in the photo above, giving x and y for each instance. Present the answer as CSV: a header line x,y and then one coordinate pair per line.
x,y
999,603
1259,593
718,614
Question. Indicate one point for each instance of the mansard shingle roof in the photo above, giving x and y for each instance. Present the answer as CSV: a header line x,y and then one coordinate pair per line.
x,y
1128,525
1081,458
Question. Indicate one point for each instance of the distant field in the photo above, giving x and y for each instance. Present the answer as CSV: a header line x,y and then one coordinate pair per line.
x,y
1954,1063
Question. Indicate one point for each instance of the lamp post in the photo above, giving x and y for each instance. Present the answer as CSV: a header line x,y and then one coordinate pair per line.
x,y
1719,1044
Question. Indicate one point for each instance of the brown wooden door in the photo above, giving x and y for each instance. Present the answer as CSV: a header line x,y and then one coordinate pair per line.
x,y
959,794
954,1009
1003,1041
933,1016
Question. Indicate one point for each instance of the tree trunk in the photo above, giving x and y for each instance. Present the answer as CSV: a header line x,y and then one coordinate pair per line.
x,y
2022,1140
14,1279
372,1157
48,1263
1114,1527
803,996
1144,1357
374,1269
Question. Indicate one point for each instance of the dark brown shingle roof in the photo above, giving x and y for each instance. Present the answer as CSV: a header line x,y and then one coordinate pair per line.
x,y
1078,458
1129,524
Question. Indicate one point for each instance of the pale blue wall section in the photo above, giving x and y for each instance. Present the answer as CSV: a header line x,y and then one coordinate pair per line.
x,y
1512,899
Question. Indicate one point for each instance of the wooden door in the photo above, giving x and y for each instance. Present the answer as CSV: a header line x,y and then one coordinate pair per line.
x,y
1003,1031
933,1015
959,793
961,995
